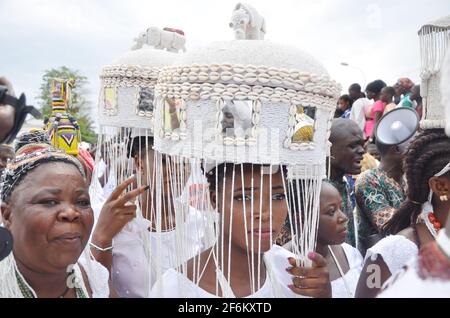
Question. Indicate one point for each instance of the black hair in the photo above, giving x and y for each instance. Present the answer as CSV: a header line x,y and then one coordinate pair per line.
x,y
219,171
375,86
383,149
136,145
355,87
347,98
427,154
390,90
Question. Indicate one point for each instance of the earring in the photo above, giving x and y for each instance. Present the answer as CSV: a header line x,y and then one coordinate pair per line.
x,y
443,197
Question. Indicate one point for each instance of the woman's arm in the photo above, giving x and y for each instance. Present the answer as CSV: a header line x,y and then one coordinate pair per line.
x,y
377,116
116,213
373,275
103,257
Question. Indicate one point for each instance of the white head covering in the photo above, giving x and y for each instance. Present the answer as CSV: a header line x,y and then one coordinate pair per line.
x,y
445,90
248,102
434,41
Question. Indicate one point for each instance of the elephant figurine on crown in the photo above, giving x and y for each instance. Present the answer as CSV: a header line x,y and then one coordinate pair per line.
x,y
247,23
169,39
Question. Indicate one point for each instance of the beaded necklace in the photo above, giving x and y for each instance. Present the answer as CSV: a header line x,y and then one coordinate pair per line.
x,y
427,216
28,292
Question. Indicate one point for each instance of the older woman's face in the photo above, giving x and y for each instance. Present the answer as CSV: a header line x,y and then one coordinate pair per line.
x,y
50,217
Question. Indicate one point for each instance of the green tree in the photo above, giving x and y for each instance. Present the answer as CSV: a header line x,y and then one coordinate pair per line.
x,y
80,105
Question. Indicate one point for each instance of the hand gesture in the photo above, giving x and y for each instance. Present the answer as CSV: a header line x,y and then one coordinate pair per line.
x,y
117,211
311,281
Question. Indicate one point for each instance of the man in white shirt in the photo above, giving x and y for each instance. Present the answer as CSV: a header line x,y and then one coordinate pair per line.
x,y
360,103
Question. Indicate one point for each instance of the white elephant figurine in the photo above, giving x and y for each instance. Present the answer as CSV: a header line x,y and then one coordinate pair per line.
x,y
247,23
169,39
140,41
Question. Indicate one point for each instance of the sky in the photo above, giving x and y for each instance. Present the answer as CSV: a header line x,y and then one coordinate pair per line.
x,y
378,39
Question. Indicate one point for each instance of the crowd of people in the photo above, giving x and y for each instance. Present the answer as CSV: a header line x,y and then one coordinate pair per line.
x,y
141,220
369,214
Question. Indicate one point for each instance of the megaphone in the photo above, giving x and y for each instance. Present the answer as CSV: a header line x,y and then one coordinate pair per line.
x,y
397,126
6,243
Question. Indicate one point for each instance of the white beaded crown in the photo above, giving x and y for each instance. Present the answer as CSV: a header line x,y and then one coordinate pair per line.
x,y
127,88
434,41
445,90
246,101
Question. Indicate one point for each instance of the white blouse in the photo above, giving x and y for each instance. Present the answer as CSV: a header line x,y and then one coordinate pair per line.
x,y
176,285
277,258
408,284
140,256
355,262
98,277
396,251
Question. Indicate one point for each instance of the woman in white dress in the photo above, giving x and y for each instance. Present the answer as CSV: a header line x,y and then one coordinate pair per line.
x,y
46,206
235,266
419,219
426,276
129,239
344,262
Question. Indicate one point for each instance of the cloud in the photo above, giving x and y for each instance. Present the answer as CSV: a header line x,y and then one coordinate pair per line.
x,y
374,19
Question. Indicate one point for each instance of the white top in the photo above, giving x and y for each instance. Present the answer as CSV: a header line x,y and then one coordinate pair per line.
x,y
355,262
408,284
98,277
99,194
141,256
396,251
278,256
358,114
176,285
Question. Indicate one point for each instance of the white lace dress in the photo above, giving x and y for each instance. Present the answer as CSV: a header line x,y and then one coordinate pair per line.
x,y
408,284
98,277
345,287
396,251
277,260
140,257
175,285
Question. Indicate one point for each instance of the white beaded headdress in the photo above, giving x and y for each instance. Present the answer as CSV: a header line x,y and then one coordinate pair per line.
x,y
126,118
434,41
445,90
435,75
127,95
249,103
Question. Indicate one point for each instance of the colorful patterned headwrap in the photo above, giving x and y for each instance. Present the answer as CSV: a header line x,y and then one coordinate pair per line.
x,y
17,169
31,141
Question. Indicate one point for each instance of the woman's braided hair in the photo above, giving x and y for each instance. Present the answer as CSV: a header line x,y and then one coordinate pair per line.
x,y
427,154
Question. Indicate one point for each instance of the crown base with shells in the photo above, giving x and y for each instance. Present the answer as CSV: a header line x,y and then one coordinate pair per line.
x,y
273,81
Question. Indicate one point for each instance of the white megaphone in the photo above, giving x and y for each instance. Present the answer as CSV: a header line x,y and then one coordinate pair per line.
x,y
397,127
6,243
